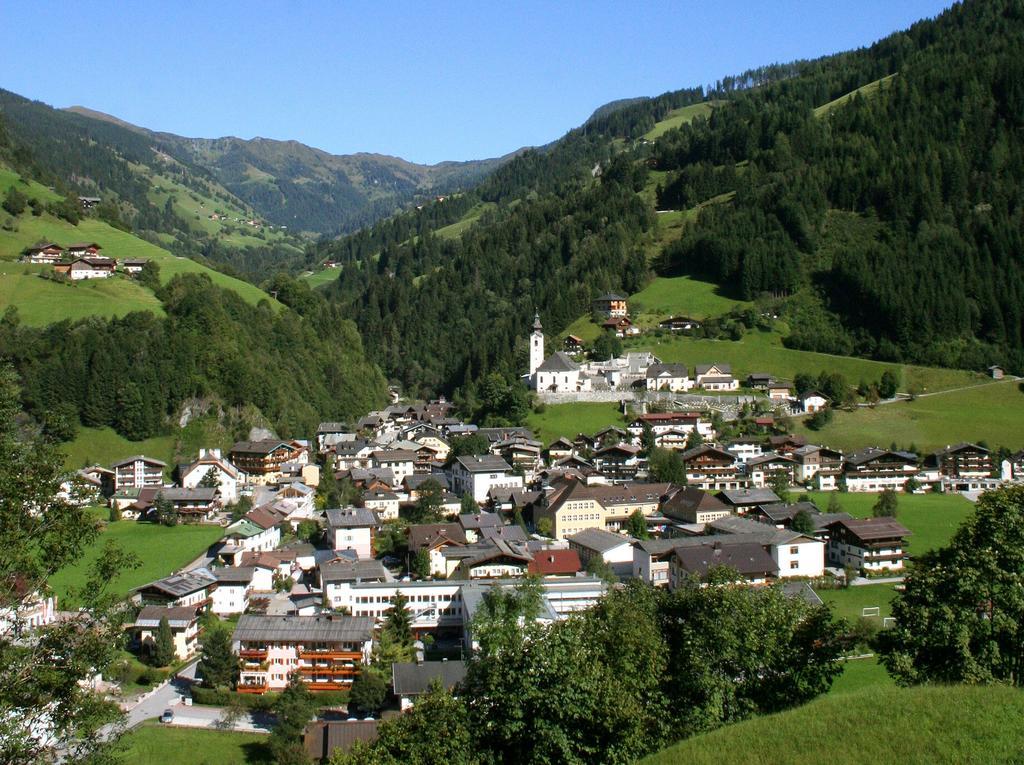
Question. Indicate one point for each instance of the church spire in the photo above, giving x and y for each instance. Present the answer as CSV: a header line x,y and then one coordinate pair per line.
x,y
536,322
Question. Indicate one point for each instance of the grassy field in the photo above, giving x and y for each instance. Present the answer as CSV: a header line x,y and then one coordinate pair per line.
x,y
764,352
103,446
455,229
117,244
161,549
679,296
43,301
911,726
321,277
864,90
859,674
933,518
993,413
678,117
571,419
849,603
152,744
30,189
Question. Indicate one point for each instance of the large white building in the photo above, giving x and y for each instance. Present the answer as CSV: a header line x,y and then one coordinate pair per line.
x,y
476,475
557,373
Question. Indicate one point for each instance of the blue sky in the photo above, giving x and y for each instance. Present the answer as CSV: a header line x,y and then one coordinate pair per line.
x,y
426,81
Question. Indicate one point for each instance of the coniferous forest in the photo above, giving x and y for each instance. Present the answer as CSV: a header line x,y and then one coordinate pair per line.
x,y
890,224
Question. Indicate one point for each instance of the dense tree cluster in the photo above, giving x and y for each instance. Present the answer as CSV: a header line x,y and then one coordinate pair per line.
x,y
595,687
134,372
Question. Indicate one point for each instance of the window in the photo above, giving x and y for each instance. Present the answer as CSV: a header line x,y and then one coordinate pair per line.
x,y
794,564
794,550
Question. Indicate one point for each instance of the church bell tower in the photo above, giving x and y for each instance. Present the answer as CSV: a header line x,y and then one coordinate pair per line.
x,y
536,345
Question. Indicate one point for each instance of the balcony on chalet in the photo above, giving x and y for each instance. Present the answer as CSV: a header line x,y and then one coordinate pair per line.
x,y
329,654
253,654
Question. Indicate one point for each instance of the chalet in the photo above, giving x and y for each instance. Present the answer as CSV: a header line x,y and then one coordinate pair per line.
x,y
875,469
573,344
618,461
759,380
46,253
191,588
661,422
620,325
867,544
1012,468
184,624
475,524
749,560
781,515
996,372
959,462
611,304
262,460
191,505
340,573
676,439
137,472
326,652
86,268
259,530
668,377
710,468
210,463
84,250
88,202
679,324
786,443
779,391
552,562
560,449
103,477
813,401
715,377
352,528
352,454
794,554
819,465
767,468
330,433
413,679
476,475
742,500
492,560
693,505
134,266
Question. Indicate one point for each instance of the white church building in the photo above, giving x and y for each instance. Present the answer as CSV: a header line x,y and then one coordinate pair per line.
x,y
557,373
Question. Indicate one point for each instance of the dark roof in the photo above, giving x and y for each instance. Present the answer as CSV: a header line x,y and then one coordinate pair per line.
x,y
667,370
351,517
873,453
180,617
599,540
144,458
353,571
690,499
703,369
559,361
322,737
745,497
479,520
507,533
331,628
747,558
611,296
426,535
264,446
483,463
413,678
185,583
234,575
873,529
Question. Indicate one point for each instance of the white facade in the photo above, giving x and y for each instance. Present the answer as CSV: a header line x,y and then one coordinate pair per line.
x,y
359,539
230,598
536,346
802,556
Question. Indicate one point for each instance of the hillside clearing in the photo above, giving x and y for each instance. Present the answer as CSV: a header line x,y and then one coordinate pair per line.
x,y
104,446
44,301
911,726
455,229
681,116
992,412
570,420
161,549
668,296
865,91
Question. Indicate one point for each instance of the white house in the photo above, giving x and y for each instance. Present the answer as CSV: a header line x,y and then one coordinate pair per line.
x,y
352,528
231,595
813,401
867,544
668,377
476,475
401,462
715,377
614,549
229,478
384,503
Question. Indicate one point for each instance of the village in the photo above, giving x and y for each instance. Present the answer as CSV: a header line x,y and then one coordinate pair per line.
x,y
81,260
439,511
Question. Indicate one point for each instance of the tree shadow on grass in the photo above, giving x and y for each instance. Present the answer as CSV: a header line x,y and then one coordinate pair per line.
x,y
258,753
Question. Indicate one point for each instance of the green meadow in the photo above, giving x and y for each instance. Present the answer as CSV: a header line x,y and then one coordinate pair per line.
x,y
569,420
864,91
911,726
152,743
992,412
679,117
104,446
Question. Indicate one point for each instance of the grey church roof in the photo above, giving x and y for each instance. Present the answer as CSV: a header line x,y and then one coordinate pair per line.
x,y
558,362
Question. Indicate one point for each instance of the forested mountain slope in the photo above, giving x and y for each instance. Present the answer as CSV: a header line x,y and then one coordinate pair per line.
x,y
887,225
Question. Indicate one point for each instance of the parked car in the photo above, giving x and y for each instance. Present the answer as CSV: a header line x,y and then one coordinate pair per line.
x,y
167,716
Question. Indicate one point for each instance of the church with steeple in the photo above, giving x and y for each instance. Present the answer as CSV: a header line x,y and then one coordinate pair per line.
x,y
557,373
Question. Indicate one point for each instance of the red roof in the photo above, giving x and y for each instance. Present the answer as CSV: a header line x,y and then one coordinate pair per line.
x,y
553,562
669,416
